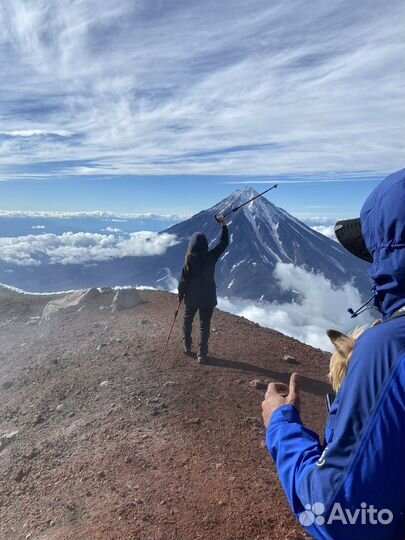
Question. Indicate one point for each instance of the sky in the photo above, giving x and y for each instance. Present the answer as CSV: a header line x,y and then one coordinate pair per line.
x,y
167,106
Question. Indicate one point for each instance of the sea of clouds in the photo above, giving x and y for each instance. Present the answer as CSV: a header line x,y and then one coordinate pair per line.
x,y
81,248
321,307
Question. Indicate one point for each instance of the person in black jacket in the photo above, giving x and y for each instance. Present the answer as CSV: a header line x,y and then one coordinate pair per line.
x,y
197,287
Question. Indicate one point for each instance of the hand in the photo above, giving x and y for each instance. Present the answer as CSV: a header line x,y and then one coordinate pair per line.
x,y
279,394
222,220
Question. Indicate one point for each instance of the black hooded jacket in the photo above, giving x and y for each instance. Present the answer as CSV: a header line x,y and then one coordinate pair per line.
x,y
197,281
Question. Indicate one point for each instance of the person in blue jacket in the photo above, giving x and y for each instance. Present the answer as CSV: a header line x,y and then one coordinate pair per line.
x,y
352,486
197,287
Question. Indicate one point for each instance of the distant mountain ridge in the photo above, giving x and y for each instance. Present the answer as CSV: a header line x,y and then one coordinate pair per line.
x,y
261,235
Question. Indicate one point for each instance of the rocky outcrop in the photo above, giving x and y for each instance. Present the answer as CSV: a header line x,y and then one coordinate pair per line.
x,y
7,438
126,299
72,302
91,299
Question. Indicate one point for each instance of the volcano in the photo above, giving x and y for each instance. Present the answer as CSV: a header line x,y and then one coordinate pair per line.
x,y
261,236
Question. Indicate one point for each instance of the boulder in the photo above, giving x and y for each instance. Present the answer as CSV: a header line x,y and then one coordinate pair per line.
x,y
106,296
7,438
290,359
70,303
258,384
126,299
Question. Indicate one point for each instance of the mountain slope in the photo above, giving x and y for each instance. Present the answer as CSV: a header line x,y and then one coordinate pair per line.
x,y
110,448
261,236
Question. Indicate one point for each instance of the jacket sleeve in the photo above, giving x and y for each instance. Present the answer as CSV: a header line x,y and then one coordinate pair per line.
x,y
361,462
183,283
218,250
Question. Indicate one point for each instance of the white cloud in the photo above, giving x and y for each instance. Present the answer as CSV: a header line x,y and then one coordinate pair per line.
x,y
113,230
321,307
34,133
38,227
317,220
168,282
362,176
326,230
80,248
322,224
97,214
228,87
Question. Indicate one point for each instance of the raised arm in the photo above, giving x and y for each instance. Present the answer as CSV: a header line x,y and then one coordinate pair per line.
x,y
218,250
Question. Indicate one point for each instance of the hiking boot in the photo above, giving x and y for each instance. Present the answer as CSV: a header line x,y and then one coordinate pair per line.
x,y
187,351
201,358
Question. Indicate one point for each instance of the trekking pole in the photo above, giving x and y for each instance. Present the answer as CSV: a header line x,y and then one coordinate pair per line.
x,y
247,202
170,333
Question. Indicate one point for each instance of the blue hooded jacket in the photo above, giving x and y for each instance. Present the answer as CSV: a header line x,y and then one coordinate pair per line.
x,y
352,487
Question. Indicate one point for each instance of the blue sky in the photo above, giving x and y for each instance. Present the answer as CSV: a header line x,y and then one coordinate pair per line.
x,y
164,106
182,196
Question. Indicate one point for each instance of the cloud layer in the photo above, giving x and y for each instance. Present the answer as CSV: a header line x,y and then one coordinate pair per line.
x,y
321,307
96,214
231,87
326,230
81,248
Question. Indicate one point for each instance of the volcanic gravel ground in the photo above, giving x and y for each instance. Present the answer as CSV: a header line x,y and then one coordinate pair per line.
x,y
110,448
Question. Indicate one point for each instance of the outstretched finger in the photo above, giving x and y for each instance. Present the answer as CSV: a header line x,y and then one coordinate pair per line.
x,y
277,388
294,391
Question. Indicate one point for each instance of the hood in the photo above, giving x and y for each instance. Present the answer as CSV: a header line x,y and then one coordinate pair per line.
x,y
198,249
198,244
383,228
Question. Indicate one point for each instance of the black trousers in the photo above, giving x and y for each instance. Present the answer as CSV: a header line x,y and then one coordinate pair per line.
x,y
205,324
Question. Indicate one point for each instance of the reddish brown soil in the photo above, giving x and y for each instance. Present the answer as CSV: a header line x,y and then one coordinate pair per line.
x,y
175,454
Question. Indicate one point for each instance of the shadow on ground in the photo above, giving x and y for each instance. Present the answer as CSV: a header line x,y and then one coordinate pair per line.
x,y
312,386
